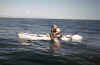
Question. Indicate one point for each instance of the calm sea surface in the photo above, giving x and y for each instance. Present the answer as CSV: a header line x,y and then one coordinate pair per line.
x,y
12,52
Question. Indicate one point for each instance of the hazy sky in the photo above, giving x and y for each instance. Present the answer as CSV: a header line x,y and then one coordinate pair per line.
x,y
60,9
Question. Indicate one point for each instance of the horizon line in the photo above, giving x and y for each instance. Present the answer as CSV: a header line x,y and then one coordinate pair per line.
x,y
49,18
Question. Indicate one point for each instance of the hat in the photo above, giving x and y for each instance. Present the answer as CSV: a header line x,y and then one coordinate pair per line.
x,y
54,25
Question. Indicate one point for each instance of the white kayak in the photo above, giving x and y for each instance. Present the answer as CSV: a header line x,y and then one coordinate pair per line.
x,y
66,38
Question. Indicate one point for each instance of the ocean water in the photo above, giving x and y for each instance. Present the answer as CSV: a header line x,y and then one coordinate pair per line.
x,y
13,52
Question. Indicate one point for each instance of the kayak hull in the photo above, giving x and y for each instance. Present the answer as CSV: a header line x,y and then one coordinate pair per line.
x,y
66,38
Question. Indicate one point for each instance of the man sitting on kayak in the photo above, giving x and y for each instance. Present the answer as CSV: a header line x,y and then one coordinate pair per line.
x,y
55,32
55,40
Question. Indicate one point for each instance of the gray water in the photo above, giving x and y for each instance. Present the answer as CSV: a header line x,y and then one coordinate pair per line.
x,y
12,52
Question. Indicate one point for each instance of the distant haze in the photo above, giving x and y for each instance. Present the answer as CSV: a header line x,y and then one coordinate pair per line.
x,y
56,9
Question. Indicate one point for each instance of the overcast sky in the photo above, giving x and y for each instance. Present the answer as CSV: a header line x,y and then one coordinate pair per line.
x,y
59,9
